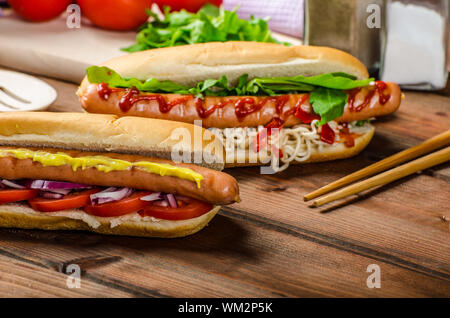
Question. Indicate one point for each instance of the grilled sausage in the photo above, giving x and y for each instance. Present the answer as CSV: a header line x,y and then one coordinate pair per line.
x,y
226,112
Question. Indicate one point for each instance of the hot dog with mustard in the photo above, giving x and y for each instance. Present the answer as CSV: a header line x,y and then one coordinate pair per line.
x,y
105,174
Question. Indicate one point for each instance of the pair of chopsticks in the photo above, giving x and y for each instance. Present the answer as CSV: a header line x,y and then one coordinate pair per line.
x,y
386,177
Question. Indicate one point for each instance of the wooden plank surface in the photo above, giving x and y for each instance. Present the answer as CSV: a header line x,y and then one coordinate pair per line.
x,y
271,244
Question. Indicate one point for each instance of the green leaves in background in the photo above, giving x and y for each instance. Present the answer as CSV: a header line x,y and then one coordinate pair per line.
x,y
327,91
210,24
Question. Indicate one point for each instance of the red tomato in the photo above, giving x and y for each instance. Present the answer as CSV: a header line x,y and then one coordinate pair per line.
x,y
189,209
116,14
68,202
39,10
126,206
14,195
189,5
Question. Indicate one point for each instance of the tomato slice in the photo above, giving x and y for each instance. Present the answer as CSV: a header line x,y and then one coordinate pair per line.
x,y
15,195
125,206
189,209
68,202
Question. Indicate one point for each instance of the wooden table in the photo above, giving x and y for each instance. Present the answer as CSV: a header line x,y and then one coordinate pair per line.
x,y
272,244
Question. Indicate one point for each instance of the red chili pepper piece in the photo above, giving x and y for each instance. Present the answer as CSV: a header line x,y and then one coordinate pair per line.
x,y
263,135
305,117
327,134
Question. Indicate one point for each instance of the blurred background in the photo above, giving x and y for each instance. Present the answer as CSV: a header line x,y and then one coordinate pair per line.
x,y
405,41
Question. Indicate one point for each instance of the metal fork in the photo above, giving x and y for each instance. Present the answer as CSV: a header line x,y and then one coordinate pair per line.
x,y
22,92
5,91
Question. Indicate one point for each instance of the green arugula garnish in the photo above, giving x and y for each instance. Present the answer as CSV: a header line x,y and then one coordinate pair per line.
x,y
327,91
361,123
210,24
328,103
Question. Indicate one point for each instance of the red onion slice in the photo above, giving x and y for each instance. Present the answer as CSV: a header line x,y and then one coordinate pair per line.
x,y
12,184
55,185
50,195
163,203
60,191
111,194
153,197
171,200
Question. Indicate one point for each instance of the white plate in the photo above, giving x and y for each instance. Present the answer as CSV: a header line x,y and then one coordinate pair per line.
x,y
24,92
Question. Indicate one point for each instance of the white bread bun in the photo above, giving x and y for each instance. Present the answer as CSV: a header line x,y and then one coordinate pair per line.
x,y
21,216
97,132
328,153
190,64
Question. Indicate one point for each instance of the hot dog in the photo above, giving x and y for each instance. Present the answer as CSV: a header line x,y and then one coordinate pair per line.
x,y
103,191
215,187
186,111
234,85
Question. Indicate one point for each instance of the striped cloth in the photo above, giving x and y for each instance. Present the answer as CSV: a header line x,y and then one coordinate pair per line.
x,y
286,16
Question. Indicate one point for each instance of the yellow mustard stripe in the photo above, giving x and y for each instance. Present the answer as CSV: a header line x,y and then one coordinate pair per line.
x,y
102,163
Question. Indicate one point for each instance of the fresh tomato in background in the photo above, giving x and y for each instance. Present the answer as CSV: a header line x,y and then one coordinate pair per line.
x,y
118,15
189,5
39,10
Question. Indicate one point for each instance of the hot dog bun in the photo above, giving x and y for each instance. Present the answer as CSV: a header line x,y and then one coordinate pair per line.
x,y
190,64
98,132
21,216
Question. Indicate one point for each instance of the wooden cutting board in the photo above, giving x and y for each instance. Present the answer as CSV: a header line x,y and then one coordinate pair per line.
x,y
52,49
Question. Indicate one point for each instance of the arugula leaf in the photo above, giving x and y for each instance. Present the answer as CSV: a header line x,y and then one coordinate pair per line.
x,y
96,74
209,24
341,81
361,123
328,103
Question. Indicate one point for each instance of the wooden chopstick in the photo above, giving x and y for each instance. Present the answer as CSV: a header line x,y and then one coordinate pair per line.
x,y
427,146
428,161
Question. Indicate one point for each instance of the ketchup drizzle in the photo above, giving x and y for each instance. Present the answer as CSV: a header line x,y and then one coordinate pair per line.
x,y
104,91
347,136
380,87
242,110
130,98
204,113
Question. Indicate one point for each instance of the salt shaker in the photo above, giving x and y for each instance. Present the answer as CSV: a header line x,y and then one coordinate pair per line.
x,y
414,43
